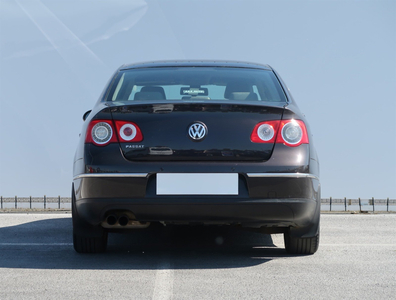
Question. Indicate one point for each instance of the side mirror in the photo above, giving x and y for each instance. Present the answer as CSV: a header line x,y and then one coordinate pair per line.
x,y
85,116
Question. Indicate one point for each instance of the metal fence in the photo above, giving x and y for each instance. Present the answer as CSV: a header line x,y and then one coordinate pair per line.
x,y
359,205
327,204
20,203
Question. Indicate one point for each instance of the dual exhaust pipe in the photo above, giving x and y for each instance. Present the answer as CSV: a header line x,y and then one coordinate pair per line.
x,y
113,220
123,220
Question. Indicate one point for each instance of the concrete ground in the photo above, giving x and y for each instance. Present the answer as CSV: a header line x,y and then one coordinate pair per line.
x,y
356,260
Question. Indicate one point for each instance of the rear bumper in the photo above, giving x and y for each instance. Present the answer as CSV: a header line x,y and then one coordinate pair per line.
x,y
279,200
259,212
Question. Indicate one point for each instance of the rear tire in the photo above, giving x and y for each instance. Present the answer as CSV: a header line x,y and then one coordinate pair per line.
x,y
296,245
83,244
86,237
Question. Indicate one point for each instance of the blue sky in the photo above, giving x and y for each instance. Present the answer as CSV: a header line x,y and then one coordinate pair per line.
x,y
338,58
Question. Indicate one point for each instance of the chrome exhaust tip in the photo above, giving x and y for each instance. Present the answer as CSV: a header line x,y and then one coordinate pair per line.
x,y
111,220
123,220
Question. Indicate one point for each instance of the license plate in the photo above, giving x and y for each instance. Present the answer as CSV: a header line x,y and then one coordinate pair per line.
x,y
197,184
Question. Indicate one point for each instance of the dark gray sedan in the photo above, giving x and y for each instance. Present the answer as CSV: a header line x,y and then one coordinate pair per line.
x,y
196,142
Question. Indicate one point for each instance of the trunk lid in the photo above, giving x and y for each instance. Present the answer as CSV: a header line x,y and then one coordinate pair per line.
x,y
166,130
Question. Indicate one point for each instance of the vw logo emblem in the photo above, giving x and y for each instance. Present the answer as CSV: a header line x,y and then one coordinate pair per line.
x,y
197,131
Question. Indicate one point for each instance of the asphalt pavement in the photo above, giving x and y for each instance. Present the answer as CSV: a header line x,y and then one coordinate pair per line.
x,y
356,260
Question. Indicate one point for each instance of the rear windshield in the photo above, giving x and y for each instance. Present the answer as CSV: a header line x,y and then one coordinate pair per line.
x,y
196,83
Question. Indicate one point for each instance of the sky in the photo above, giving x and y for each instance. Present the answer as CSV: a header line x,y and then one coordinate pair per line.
x,y
338,58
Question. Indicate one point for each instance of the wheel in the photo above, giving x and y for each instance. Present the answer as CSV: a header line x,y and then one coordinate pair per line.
x,y
84,244
86,237
296,245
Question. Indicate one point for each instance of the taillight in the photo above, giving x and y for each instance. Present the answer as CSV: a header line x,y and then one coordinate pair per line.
x,y
292,133
128,132
100,133
265,132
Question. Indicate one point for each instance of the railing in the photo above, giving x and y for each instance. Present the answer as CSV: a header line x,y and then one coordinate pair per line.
x,y
327,204
20,203
359,205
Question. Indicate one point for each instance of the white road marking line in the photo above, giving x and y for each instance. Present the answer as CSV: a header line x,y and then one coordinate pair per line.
x,y
36,244
165,266
331,245
164,277
369,245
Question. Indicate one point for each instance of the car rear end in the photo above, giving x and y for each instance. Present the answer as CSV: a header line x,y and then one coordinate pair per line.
x,y
201,144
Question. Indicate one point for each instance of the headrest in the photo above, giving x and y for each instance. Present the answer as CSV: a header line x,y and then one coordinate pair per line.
x,y
243,96
237,86
148,96
156,89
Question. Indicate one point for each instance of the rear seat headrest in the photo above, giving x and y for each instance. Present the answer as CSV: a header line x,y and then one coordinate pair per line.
x,y
157,89
148,96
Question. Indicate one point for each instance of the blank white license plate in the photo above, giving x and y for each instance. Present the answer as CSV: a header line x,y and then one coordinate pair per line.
x,y
197,184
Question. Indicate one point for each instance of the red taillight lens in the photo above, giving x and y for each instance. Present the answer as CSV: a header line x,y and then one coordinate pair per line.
x,y
100,133
292,133
265,132
128,132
